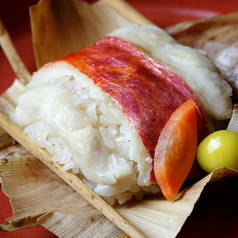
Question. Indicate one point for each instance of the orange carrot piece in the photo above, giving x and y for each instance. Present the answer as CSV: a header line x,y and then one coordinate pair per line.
x,y
176,150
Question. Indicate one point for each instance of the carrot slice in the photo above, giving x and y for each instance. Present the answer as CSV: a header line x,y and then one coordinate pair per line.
x,y
176,149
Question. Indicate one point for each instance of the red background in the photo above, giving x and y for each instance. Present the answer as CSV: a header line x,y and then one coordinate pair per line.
x,y
214,216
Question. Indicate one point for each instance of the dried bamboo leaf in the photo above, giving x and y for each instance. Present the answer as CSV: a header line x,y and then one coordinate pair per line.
x,y
24,223
68,226
12,55
233,123
9,148
5,140
229,18
75,24
15,150
126,10
218,37
34,178
39,191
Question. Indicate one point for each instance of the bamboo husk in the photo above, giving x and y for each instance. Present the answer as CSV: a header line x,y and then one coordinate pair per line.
x,y
76,24
38,184
152,217
233,123
12,55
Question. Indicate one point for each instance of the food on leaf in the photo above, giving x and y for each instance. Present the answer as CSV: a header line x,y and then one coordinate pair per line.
x,y
176,149
100,111
194,67
217,150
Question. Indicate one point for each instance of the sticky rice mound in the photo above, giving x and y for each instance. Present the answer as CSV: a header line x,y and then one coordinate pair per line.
x,y
85,131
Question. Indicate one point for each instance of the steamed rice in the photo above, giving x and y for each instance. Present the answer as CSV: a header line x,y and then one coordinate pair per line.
x,y
86,132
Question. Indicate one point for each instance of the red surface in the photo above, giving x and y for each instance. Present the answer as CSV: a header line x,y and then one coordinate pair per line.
x,y
214,216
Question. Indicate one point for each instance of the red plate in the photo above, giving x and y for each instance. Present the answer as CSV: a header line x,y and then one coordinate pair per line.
x,y
214,216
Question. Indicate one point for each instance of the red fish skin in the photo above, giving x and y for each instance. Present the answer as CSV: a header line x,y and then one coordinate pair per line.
x,y
146,91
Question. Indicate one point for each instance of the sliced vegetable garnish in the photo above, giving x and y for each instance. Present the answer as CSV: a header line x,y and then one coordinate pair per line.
x,y
176,149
